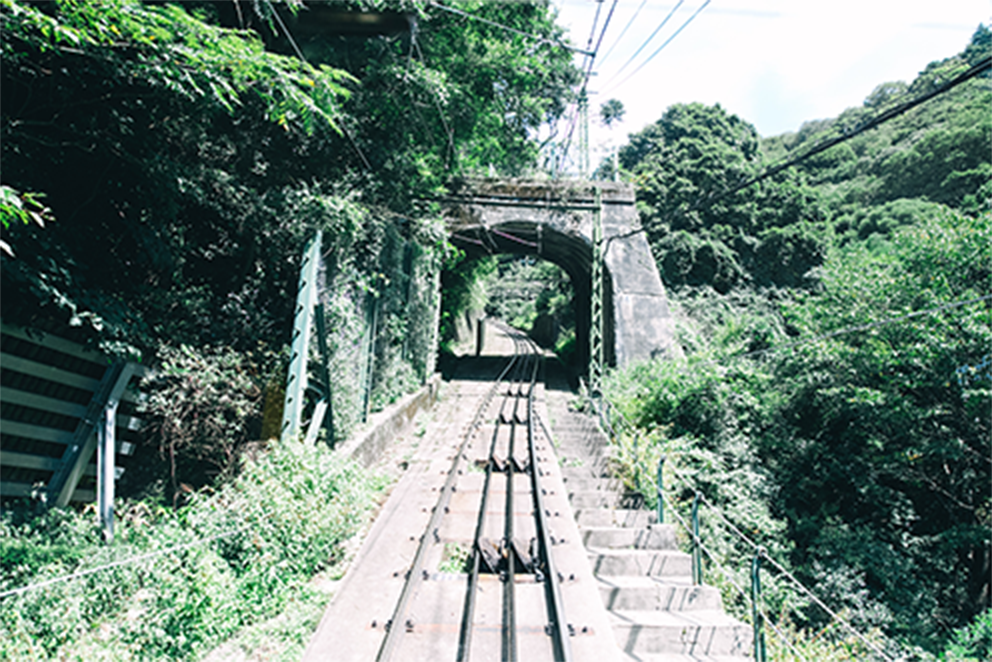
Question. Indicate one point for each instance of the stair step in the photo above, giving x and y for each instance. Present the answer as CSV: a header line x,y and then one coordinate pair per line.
x,y
704,632
643,593
642,562
614,537
596,499
591,483
668,657
592,517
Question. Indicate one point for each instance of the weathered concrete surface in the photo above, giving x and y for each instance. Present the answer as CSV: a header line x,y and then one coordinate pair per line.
x,y
367,446
554,220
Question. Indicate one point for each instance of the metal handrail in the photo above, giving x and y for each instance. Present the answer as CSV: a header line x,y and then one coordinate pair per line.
x,y
603,409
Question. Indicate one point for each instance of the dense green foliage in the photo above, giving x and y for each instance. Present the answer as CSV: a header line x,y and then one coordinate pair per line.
x,y
228,559
186,154
536,296
163,166
833,402
765,235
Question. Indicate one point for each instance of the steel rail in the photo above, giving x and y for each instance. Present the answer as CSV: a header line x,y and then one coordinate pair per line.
x,y
394,627
468,611
509,623
518,377
552,586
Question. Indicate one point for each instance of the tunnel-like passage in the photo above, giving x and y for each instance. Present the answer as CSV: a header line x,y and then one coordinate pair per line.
x,y
553,220
571,252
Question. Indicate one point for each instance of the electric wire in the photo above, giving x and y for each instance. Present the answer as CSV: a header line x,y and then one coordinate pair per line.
x,y
592,33
543,40
623,32
585,84
647,41
285,31
666,43
599,42
437,104
299,54
871,123
115,564
875,121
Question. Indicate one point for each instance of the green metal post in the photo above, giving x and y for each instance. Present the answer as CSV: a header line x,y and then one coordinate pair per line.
x,y
596,303
697,556
306,298
757,616
661,499
325,374
370,361
583,134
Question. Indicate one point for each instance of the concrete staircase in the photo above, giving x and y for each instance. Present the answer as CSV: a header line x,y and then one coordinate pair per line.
x,y
644,580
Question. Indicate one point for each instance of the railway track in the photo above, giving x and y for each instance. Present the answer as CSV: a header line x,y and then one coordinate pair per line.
x,y
489,575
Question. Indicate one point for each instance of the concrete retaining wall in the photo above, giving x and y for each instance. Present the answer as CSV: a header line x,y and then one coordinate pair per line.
x,y
386,425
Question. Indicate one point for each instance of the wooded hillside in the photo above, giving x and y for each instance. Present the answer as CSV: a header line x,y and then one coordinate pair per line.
x,y
835,400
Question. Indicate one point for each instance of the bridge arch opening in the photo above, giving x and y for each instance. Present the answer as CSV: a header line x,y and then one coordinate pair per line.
x,y
571,252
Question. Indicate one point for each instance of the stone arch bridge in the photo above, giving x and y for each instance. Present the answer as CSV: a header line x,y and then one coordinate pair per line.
x,y
554,220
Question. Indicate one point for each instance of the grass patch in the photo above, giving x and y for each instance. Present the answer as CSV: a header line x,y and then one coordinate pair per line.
x,y
454,559
232,558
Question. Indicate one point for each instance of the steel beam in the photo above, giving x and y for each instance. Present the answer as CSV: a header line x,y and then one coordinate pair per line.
x,y
296,380
80,449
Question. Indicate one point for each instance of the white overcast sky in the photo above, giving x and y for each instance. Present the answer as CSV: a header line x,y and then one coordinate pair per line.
x,y
774,63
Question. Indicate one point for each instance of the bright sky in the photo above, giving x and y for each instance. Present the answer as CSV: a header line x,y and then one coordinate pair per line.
x,y
774,63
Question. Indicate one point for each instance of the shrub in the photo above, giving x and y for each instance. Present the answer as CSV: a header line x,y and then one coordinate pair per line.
x,y
203,406
227,559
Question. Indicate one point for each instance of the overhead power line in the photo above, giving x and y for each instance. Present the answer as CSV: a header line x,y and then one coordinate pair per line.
x,y
299,54
599,42
648,40
705,201
452,152
543,40
585,82
667,42
875,121
623,32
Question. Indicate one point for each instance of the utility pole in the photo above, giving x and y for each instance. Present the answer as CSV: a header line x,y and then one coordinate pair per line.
x,y
596,302
583,134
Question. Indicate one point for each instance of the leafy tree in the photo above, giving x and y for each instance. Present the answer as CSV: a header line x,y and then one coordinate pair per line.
x,y
611,112
683,166
881,454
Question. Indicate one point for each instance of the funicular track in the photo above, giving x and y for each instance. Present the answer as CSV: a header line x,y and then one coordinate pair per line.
x,y
475,555
511,455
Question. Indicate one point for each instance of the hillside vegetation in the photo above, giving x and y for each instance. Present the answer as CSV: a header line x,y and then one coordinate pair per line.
x,y
835,398
163,166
